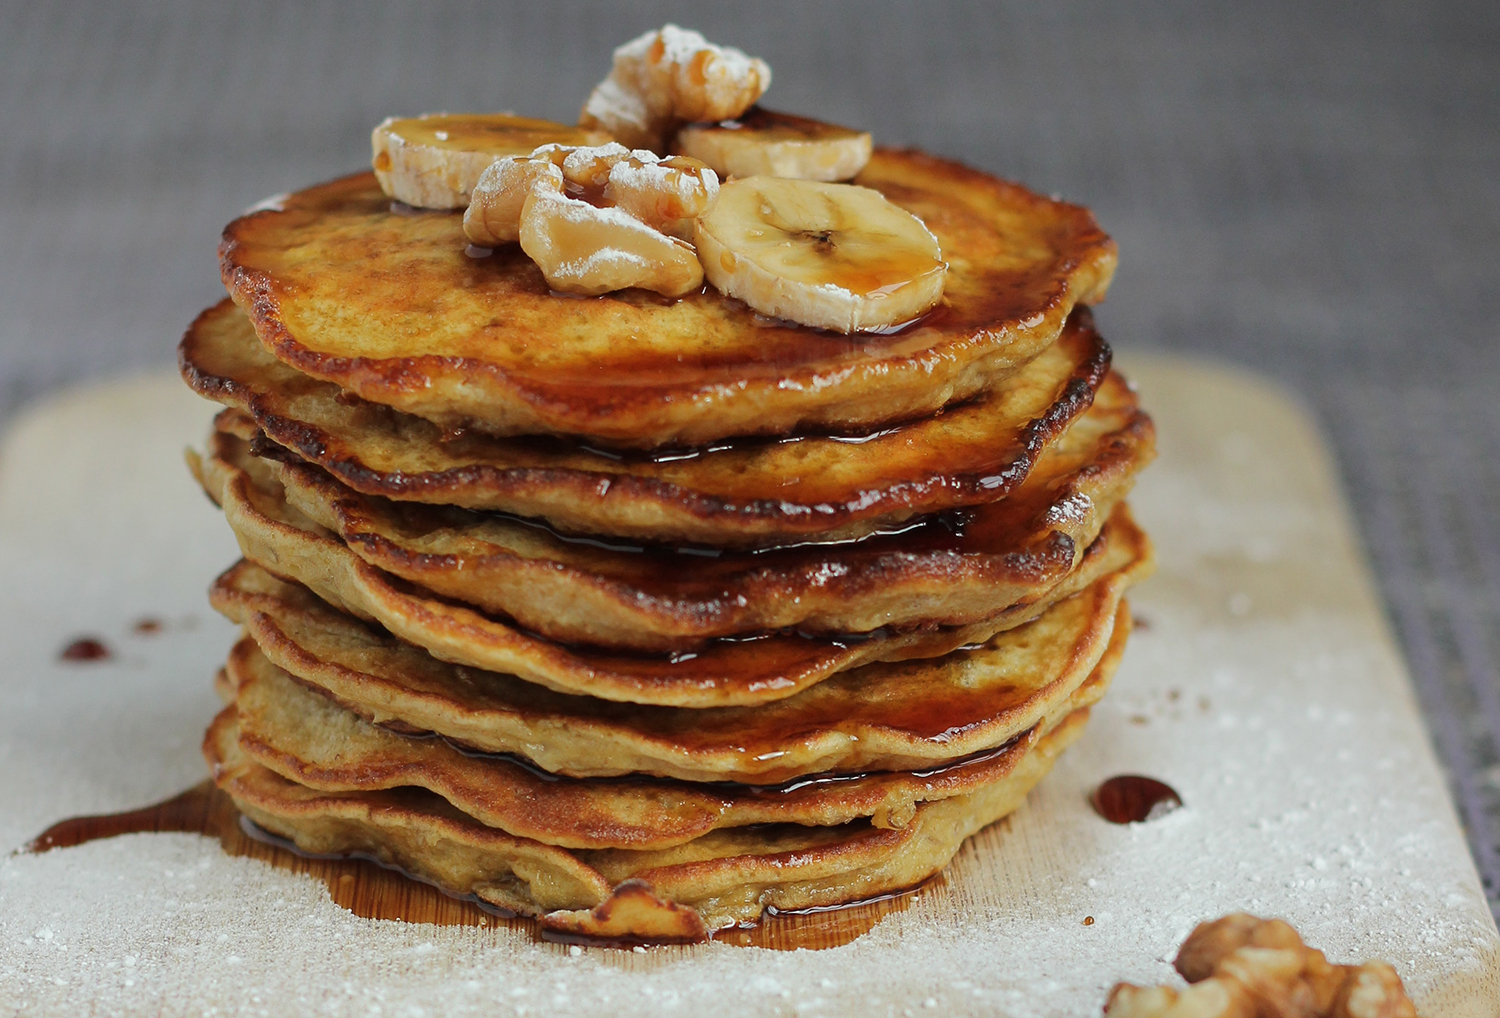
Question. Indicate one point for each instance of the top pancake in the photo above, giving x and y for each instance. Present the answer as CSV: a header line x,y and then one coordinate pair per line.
x,y
388,305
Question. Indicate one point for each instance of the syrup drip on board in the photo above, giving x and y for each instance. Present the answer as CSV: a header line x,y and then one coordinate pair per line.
x,y
85,648
373,891
1134,799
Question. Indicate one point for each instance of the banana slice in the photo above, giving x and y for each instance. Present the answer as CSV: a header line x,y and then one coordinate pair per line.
x,y
833,256
776,145
434,161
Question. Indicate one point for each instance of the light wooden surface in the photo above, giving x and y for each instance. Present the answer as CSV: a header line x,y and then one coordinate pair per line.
x,y
373,891
1263,686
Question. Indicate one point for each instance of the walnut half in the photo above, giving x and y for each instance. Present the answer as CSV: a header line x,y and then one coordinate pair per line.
x,y
1243,967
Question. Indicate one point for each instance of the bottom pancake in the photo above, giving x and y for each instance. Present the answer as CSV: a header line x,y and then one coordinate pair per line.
x,y
678,893
307,738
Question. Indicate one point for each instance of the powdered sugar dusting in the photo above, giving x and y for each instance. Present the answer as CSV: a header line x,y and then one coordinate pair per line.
x,y
627,53
275,203
1286,725
579,163
609,101
582,212
605,257
674,73
681,45
648,175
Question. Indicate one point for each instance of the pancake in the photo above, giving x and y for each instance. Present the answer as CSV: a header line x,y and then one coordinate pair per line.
x,y
944,572
390,307
909,715
307,738
724,877
731,670
735,493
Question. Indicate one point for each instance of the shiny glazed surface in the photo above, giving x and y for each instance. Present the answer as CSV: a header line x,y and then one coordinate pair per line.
x,y
950,570
498,134
390,307
731,493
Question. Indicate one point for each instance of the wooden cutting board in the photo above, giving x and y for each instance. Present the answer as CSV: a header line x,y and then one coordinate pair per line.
x,y
1262,684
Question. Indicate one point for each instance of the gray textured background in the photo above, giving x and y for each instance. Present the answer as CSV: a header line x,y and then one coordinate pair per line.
x,y
1311,192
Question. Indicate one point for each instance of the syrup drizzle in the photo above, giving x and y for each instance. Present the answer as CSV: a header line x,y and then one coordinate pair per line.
x,y
375,891
726,787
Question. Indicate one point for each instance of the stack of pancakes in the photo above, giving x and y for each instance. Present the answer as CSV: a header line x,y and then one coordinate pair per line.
x,y
646,615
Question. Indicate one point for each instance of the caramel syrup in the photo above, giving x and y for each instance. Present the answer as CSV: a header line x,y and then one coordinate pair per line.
x,y
500,134
776,126
1134,799
375,891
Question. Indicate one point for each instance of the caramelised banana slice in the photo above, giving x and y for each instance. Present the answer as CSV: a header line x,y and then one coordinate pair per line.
x,y
833,256
589,250
434,161
777,145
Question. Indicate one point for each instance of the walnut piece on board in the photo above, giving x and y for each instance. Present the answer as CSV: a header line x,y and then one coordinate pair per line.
x,y
1244,967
